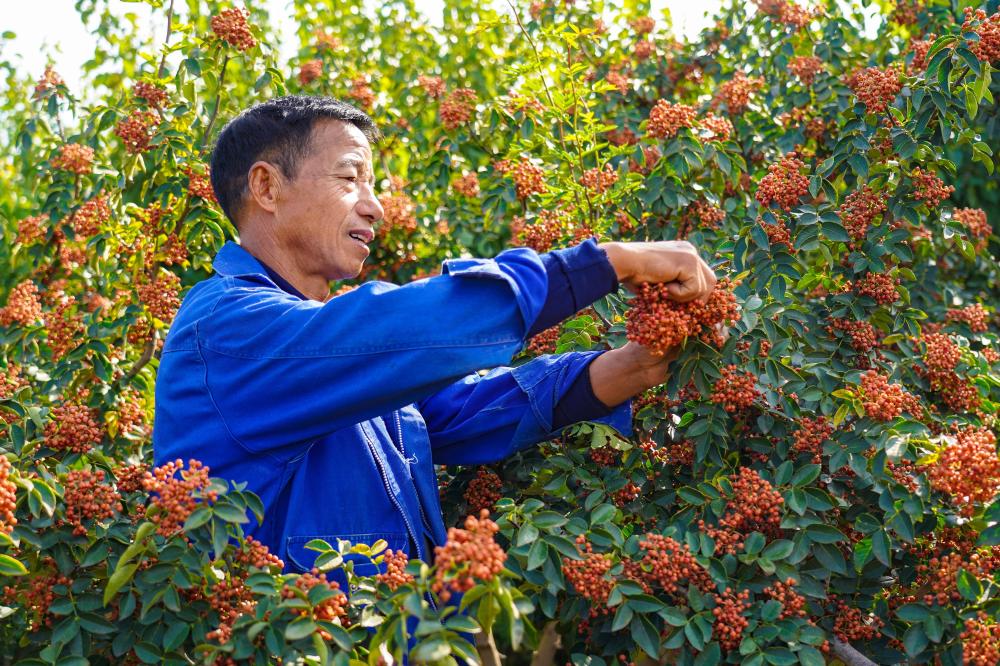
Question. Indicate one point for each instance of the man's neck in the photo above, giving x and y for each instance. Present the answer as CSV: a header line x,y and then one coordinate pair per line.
x,y
265,250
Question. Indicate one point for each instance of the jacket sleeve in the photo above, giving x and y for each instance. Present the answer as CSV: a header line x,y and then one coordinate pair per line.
x,y
483,419
283,372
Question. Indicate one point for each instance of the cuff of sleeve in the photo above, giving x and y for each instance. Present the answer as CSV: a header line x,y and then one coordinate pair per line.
x,y
521,268
589,271
546,379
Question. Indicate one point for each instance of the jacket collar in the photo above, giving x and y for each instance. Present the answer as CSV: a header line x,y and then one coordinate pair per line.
x,y
233,261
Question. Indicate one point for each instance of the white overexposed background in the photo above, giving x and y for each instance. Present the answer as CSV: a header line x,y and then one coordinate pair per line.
x,y
51,29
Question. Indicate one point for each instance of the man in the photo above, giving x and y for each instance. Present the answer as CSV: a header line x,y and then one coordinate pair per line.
x,y
335,410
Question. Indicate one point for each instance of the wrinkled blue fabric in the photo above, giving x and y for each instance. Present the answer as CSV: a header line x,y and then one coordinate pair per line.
x,y
335,413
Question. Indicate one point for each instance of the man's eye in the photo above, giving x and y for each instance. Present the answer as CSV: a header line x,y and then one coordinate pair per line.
x,y
353,179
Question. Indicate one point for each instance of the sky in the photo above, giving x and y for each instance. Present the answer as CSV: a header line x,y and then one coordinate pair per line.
x,y
52,28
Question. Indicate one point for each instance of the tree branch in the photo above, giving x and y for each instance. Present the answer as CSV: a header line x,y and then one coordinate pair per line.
x,y
166,41
847,654
147,356
547,646
487,649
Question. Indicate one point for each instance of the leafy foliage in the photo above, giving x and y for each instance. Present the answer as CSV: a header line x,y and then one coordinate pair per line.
x,y
826,476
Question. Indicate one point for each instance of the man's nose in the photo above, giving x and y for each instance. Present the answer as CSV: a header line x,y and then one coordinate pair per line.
x,y
368,205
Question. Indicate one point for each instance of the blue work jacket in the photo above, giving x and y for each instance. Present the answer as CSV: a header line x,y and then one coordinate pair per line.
x,y
335,413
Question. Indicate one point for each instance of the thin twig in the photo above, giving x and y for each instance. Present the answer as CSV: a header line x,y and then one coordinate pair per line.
x,y
147,356
166,41
218,100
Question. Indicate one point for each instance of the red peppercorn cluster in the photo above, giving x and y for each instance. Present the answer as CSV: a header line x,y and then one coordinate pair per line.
x,y
859,210
619,81
129,478
361,92
395,570
161,295
700,213
810,436
11,381
87,220
981,641
433,85
605,456
991,355
729,619
8,496
974,315
941,357
528,178
88,496
668,565
778,234
75,158
599,180
968,469
805,68
400,213
940,576
735,390
131,411
875,88
331,609
793,604
468,185
325,41
643,49
975,223
309,71
31,229
469,554
904,473
230,598
884,401
659,323
255,554
176,498
36,596
23,305
666,119
483,491
785,11
63,328
457,108
544,342
851,624
784,183
231,26
715,128
880,287
73,427
136,130
47,82
920,48
643,25
753,506
987,48
589,576
864,337
623,496
929,188
736,92
200,185
152,94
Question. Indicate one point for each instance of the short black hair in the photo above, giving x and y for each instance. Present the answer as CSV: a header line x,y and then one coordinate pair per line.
x,y
278,131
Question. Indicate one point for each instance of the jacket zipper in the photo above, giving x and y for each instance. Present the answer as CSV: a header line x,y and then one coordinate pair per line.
x,y
388,489
402,448
420,505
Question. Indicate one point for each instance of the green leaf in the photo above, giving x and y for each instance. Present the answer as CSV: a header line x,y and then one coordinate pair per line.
x,y
602,514
778,550
914,640
913,612
11,567
122,575
645,636
300,628
230,513
138,544
969,586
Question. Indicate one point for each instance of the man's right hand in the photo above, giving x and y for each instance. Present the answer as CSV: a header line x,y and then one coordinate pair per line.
x,y
673,262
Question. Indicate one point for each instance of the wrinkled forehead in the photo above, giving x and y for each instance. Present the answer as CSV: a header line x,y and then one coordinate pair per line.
x,y
336,139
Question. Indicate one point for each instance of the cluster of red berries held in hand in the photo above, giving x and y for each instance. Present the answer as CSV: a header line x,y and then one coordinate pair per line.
x,y
659,323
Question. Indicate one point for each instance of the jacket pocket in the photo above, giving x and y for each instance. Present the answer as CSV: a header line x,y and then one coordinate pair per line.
x,y
302,558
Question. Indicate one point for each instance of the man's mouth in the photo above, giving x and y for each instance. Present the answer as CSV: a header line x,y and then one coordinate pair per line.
x,y
363,236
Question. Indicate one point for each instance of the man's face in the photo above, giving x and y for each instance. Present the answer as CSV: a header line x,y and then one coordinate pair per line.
x,y
330,202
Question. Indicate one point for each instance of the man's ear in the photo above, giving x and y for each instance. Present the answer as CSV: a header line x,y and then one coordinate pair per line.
x,y
264,183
